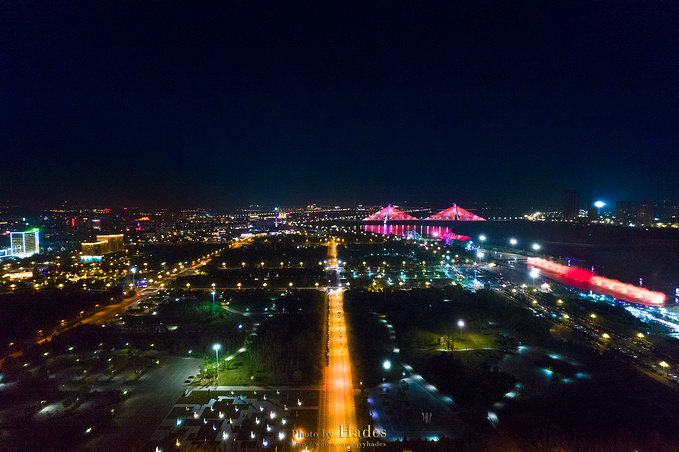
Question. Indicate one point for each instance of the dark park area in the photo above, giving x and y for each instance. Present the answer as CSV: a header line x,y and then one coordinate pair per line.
x,y
503,363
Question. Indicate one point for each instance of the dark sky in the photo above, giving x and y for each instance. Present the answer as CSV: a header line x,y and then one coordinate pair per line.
x,y
193,104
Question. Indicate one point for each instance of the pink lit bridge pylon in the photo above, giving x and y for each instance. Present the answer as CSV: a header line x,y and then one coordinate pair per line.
x,y
453,213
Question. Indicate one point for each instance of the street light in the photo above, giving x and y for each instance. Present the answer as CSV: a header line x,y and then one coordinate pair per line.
x,y
133,270
213,297
536,247
216,348
534,273
599,205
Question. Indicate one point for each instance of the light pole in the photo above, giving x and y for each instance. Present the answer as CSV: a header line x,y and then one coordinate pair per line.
x,y
213,297
9,349
599,205
133,270
216,348
534,273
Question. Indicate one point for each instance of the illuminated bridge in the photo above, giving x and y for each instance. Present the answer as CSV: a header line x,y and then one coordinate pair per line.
x,y
453,213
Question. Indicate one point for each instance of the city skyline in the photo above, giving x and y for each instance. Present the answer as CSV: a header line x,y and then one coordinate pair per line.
x,y
196,105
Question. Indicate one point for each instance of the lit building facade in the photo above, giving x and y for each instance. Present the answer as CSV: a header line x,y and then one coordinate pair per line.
x,y
115,242
24,244
105,244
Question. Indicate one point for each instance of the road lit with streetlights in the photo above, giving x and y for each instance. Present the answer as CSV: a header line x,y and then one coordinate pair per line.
x,y
338,402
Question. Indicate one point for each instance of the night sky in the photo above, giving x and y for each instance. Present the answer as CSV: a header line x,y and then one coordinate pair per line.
x,y
190,104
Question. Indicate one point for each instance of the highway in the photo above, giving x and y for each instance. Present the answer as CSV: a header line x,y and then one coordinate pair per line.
x,y
337,404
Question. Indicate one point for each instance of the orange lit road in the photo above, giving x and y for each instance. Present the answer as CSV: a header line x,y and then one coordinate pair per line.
x,y
337,407
108,313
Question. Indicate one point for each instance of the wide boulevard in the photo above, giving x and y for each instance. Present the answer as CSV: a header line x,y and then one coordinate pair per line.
x,y
338,407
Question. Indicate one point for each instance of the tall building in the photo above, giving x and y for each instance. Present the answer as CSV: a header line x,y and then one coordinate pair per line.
x,y
623,212
115,242
105,244
644,212
24,244
664,210
592,211
94,248
571,205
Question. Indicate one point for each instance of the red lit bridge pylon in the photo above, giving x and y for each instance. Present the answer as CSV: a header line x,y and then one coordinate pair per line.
x,y
453,213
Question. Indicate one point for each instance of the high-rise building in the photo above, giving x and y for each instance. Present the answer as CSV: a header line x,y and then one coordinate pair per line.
x,y
592,211
644,212
571,205
105,244
94,248
664,210
115,242
623,212
24,244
